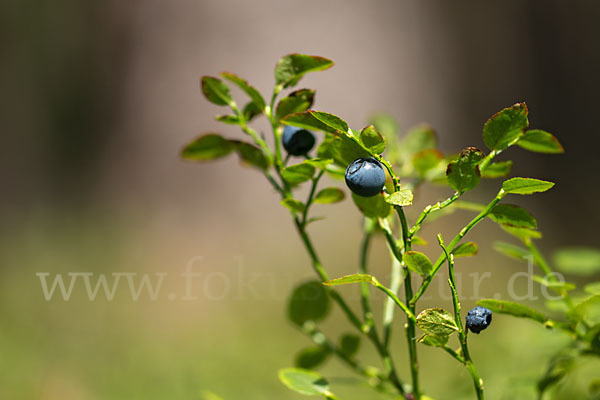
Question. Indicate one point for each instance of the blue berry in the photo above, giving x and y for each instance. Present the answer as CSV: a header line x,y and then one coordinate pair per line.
x,y
297,141
478,319
365,177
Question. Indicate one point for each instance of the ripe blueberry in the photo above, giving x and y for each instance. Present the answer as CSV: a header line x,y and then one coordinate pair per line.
x,y
297,141
478,319
365,177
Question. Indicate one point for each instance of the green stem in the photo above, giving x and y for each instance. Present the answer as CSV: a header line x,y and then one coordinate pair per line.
x,y
411,322
389,308
408,310
486,161
453,353
431,208
382,349
365,289
454,243
409,314
269,112
311,197
462,334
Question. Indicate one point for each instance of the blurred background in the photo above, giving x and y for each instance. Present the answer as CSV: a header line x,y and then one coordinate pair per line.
x,y
98,99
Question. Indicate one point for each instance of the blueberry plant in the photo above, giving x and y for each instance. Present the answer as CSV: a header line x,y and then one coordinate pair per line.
x,y
382,188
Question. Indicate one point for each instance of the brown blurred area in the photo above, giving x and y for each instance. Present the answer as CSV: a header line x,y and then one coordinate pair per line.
x,y
98,98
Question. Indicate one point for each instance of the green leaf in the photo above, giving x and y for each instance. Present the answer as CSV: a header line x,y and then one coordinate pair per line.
x,y
588,311
526,186
207,147
320,163
497,170
311,357
354,278
306,120
298,101
522,233
250,155
434,341
418,138
512,251
228,119
216,91
580,261
247,88
427,160
467,249
289,69
298,173
293,205
304,381
418,263
333,121
514,309
309,302
463,174
251,110
512,215
372,207
372,140
329,195
540,142
436,322
505,127
347,150
208,395
349,344
592,288
551,284
402,197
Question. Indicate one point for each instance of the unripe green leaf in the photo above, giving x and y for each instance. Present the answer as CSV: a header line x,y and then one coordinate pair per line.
x,y
309,302
436,322
207,147
526,186
304,381
505,127
289,69
418,263
463,174
216,91
296,102
540,142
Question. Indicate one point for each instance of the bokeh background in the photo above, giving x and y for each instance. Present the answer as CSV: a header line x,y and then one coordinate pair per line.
x,y
98,98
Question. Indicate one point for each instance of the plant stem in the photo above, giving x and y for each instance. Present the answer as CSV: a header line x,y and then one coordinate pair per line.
x,y
389,308
454,243
462,334
411,322
251,132
318,267
269,112
368,315
408,310
429,209
311,197
365,290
